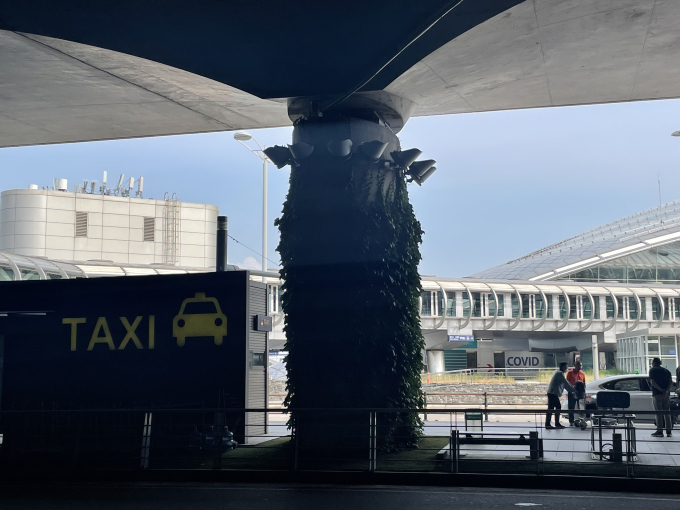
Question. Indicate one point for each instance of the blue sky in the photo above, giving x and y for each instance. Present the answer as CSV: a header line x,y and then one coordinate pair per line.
x,y
507,183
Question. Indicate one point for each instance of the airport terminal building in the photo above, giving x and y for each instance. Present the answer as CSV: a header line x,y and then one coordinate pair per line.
x,y
610,295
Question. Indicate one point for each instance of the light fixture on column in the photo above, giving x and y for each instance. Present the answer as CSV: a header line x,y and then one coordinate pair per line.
x,y
242,136
405,158
301,150
372,150
279,155
340,148
421,179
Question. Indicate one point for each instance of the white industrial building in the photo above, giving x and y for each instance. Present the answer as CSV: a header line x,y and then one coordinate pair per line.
x,y
94,226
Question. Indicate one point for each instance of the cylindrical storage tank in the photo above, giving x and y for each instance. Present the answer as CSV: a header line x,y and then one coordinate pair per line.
x,y
62,184
32,186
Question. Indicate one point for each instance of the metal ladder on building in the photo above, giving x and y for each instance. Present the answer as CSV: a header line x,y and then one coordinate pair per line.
x,y
171,229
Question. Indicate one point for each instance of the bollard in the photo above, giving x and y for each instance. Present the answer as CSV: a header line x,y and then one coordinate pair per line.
x,y
617,448
486,407
534,450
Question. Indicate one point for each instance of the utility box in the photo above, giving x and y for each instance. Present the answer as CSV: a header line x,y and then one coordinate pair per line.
x,y
144,342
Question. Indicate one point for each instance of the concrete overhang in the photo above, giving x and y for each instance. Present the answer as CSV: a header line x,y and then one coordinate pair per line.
x,y
80,71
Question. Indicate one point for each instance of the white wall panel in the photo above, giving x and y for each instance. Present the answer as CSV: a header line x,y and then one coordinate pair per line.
x,y
7,215
39,201
7,229
143,209
94,231
116,257
32,252
29,241
64,202
113,246
141,248
89,204
6,242
188,250
94,218
116,220
190,213
135,258
59,254
87,255
59,243
7,200
192,261
137,222
113,205
136,234
61,229
30,214
60,216
120,234
192,238
36,228
192,226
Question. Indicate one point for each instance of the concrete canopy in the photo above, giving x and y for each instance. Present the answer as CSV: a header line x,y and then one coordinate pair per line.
x,y
95,70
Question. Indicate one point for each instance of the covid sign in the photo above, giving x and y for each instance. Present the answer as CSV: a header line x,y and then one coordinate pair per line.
x,y
519,359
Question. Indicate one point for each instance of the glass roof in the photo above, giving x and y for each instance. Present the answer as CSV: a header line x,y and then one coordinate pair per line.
x,y
620,238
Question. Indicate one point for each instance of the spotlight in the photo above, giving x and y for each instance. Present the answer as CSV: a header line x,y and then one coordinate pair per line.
x,y
419,168
340,148
301,150
420,180
279,155
405,158
372,150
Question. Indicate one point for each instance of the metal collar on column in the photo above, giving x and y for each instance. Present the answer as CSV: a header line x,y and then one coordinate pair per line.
x,y
495,315
639,312
441,321
519,312
545,314
592,310
663,309
616,310
467,321
566,319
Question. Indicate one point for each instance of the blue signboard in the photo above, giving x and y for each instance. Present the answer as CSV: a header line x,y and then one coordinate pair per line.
x,y
461,338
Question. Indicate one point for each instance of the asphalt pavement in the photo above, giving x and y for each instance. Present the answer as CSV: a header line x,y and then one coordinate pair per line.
x,y
147,496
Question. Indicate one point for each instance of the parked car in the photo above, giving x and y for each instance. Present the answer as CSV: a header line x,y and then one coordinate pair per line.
x,y
637,385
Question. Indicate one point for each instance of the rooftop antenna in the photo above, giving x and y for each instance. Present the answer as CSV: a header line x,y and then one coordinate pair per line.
x,y
54,184
92,185
140,187
120,183
102,189
84,187
131,185
660,219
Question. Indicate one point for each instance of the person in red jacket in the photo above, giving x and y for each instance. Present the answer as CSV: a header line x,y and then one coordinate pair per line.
x,y
574,375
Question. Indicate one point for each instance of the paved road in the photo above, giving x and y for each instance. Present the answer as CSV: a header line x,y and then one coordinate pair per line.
x,y
293,497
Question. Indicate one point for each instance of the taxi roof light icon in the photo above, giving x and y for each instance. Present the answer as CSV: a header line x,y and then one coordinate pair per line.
x,y
199,316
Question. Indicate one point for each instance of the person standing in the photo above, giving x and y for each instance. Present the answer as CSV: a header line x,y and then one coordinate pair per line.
x,y
557,385
662,381
573,376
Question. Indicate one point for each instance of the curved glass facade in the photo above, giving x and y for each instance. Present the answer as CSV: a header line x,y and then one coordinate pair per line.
x,y
659,264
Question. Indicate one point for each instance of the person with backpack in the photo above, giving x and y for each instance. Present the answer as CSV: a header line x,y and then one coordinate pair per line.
x,y
574,375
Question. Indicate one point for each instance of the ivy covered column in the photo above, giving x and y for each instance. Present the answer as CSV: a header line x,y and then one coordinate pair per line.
x,y
350,252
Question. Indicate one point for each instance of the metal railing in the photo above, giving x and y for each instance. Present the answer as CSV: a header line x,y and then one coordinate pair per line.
x,y
471,374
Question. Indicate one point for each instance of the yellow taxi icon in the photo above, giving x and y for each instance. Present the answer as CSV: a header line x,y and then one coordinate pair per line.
x,y
199,316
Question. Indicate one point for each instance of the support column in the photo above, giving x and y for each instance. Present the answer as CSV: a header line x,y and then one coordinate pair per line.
x,y
350,252
596,359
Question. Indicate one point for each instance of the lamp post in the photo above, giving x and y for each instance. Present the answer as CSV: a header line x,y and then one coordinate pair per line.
x,y
242,137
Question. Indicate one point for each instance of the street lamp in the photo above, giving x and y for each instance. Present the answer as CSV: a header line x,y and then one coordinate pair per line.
x,y
242,137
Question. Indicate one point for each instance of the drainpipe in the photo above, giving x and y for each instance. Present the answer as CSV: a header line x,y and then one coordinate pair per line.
x,y
221,254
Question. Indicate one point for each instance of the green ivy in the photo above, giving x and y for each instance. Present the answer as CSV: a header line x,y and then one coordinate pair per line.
x,y
350,252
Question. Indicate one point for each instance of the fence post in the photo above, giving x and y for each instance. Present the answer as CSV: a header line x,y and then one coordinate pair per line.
x,y
218,436
486,407
533,445
425,399
294,435
372,441
617,448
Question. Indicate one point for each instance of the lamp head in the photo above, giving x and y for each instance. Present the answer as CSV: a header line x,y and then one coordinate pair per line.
x,y
675,133
242,136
